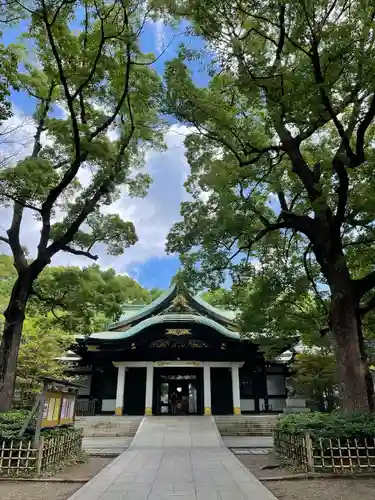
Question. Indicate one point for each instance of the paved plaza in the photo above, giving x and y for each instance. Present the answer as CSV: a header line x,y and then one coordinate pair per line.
x,y
175,458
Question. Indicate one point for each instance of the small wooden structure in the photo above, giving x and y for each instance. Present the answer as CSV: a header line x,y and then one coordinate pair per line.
x,y
54,407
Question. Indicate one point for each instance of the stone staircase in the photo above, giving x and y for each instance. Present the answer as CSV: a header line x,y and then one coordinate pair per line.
x,y
106,426
246,425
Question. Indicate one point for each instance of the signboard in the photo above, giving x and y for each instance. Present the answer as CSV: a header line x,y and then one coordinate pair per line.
x,y
51,409
58,405
67,409
55,406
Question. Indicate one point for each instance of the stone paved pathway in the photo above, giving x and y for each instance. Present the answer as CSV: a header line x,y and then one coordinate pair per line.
x,y
175,458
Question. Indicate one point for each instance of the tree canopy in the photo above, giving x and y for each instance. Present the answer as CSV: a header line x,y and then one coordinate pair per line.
x,y
97,113
281,150
68,301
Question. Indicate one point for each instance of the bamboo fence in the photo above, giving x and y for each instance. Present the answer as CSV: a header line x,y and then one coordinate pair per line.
x,y
21,457
327,454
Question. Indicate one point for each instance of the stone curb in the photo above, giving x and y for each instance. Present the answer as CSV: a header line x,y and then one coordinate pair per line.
x,y
45,480
319,475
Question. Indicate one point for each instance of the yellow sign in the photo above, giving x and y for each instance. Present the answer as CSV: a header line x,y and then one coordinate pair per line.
x,y
58,409
51,409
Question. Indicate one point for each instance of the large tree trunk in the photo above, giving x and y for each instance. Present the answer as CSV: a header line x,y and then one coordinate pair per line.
x,y
351,367
11,339
369,379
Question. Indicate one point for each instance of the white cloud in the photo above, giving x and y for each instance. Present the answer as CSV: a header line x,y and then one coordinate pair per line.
x,y
152,216
160,39
16,138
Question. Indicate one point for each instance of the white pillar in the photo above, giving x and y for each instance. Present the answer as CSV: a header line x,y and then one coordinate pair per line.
x,y
207,388
236,390
120,390
149,388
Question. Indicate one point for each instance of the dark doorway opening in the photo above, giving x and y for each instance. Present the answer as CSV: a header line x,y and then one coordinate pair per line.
x,y
221,391
135,391
178,391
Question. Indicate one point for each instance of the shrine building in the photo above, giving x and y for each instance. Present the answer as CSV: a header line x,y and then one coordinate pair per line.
x,y
182,346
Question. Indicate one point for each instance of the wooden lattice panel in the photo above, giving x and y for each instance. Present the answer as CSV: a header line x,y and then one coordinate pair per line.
x,y
344,455
17,457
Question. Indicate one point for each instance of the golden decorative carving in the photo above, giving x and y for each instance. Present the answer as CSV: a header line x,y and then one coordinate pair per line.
x,y
92,348
166,343
178,305
178,331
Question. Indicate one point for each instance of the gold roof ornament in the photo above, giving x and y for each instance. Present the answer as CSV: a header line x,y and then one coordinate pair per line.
x,y
178,331
179,304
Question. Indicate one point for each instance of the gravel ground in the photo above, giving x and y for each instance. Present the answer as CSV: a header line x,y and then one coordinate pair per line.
x,y
37,491
311,489
11,490
323,489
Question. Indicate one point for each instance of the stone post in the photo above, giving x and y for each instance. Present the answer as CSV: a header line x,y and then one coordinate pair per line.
x,y
207,388
236,390
120,390
149,388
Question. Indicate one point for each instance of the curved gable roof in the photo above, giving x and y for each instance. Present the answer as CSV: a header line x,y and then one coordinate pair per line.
x,y
146,310
224,315
167,318
221,315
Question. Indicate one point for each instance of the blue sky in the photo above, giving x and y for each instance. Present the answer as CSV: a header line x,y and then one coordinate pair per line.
x,y
152,216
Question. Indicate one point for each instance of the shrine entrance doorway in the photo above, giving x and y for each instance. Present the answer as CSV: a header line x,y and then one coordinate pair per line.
x,y
182,385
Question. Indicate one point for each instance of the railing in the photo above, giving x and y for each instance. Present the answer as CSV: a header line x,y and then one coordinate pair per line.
x,y
85,407
327,454
20,457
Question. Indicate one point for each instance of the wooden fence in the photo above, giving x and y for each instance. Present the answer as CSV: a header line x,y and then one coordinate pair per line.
x,y
327,454
20,457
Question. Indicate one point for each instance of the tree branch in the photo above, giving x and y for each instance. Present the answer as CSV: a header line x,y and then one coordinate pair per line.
x,y
13,232
74,251
359,241
369,306
311,279
364,285
362,128
281,42
63,80
90,204
125,92
343,189
4,240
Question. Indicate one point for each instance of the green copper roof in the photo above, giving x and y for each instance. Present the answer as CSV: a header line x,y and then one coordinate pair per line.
x,y
221,314
166,318
134,313
144,311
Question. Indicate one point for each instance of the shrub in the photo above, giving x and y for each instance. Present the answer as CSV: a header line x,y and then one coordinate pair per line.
x,y
329,425
12,421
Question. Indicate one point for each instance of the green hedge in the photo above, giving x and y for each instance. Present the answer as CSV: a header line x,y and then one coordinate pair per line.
x,y
329,425
12,421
